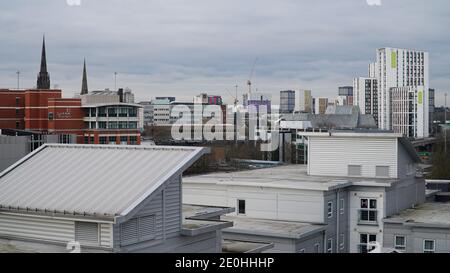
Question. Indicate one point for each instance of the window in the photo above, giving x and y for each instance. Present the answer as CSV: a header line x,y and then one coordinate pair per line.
x,y
86,140
17,124
341,241
241,206
17,101
330,209
113,125
112,140
317,248
102,140
17,111
50,116
112,112
364,241
65,139
123,112
102,125
87,233
123,125
429,246
368,210
342,206
354,170
123,140
133,140
400,242
382,171
132,125
330,245
102,112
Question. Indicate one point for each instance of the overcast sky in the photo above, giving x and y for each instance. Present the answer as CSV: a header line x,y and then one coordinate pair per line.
x,y
182,48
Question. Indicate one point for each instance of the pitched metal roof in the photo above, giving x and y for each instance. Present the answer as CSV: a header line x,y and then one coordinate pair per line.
x,y
93,180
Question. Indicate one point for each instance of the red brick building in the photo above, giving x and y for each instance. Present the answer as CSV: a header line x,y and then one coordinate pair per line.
x,y
43,110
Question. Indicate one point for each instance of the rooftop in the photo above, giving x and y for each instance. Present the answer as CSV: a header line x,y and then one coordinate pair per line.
x,y
284,229
90,180
287,177
427,214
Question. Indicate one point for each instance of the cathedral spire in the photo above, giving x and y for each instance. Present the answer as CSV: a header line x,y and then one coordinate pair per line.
x,y
84,85
43,80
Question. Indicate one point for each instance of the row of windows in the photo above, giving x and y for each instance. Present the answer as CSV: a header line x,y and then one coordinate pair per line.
x,y
330,208
113,125
113,112
429,246
113,140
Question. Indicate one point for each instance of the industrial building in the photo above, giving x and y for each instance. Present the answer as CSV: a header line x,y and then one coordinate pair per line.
x,y
54,199
335,204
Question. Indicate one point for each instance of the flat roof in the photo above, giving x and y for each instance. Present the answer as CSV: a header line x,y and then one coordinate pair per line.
x,y
286,177
204,212
272,228
90,180
432,214
95,105
238,246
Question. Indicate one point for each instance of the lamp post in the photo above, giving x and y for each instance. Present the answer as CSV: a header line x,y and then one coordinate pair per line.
x,y
18,79
115,80
445,123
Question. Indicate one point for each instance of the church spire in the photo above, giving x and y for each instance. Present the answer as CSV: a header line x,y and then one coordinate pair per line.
x,y
43,80
84,85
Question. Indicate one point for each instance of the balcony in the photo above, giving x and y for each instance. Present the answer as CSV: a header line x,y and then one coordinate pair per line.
x,y
368,217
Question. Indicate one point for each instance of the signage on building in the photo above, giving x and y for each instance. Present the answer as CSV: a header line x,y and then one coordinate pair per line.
x,y
64,115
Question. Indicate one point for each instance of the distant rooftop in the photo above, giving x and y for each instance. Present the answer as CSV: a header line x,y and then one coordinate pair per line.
x,y
285,229
427,214
287,177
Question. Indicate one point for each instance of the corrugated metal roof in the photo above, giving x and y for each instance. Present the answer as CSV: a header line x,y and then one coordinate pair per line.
x,y
91,179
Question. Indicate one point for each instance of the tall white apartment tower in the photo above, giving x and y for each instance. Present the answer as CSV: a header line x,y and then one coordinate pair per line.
x,y
400,68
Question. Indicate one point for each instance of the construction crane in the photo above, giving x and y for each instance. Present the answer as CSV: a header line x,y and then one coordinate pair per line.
x,y
249,82
236,100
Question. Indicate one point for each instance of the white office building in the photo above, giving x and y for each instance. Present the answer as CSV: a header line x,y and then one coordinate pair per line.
x,y
161,111
399,68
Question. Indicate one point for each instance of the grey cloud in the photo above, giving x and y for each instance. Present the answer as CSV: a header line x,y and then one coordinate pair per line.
x,y
184,47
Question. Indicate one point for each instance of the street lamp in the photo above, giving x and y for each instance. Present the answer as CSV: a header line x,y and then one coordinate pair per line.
x,y
446,126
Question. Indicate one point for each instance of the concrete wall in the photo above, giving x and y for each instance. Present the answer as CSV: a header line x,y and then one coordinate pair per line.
x,y
166,205
415,237
333,230
404,194
262,203
12,149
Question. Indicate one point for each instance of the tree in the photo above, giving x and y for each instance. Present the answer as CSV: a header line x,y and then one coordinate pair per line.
x,y
441,162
